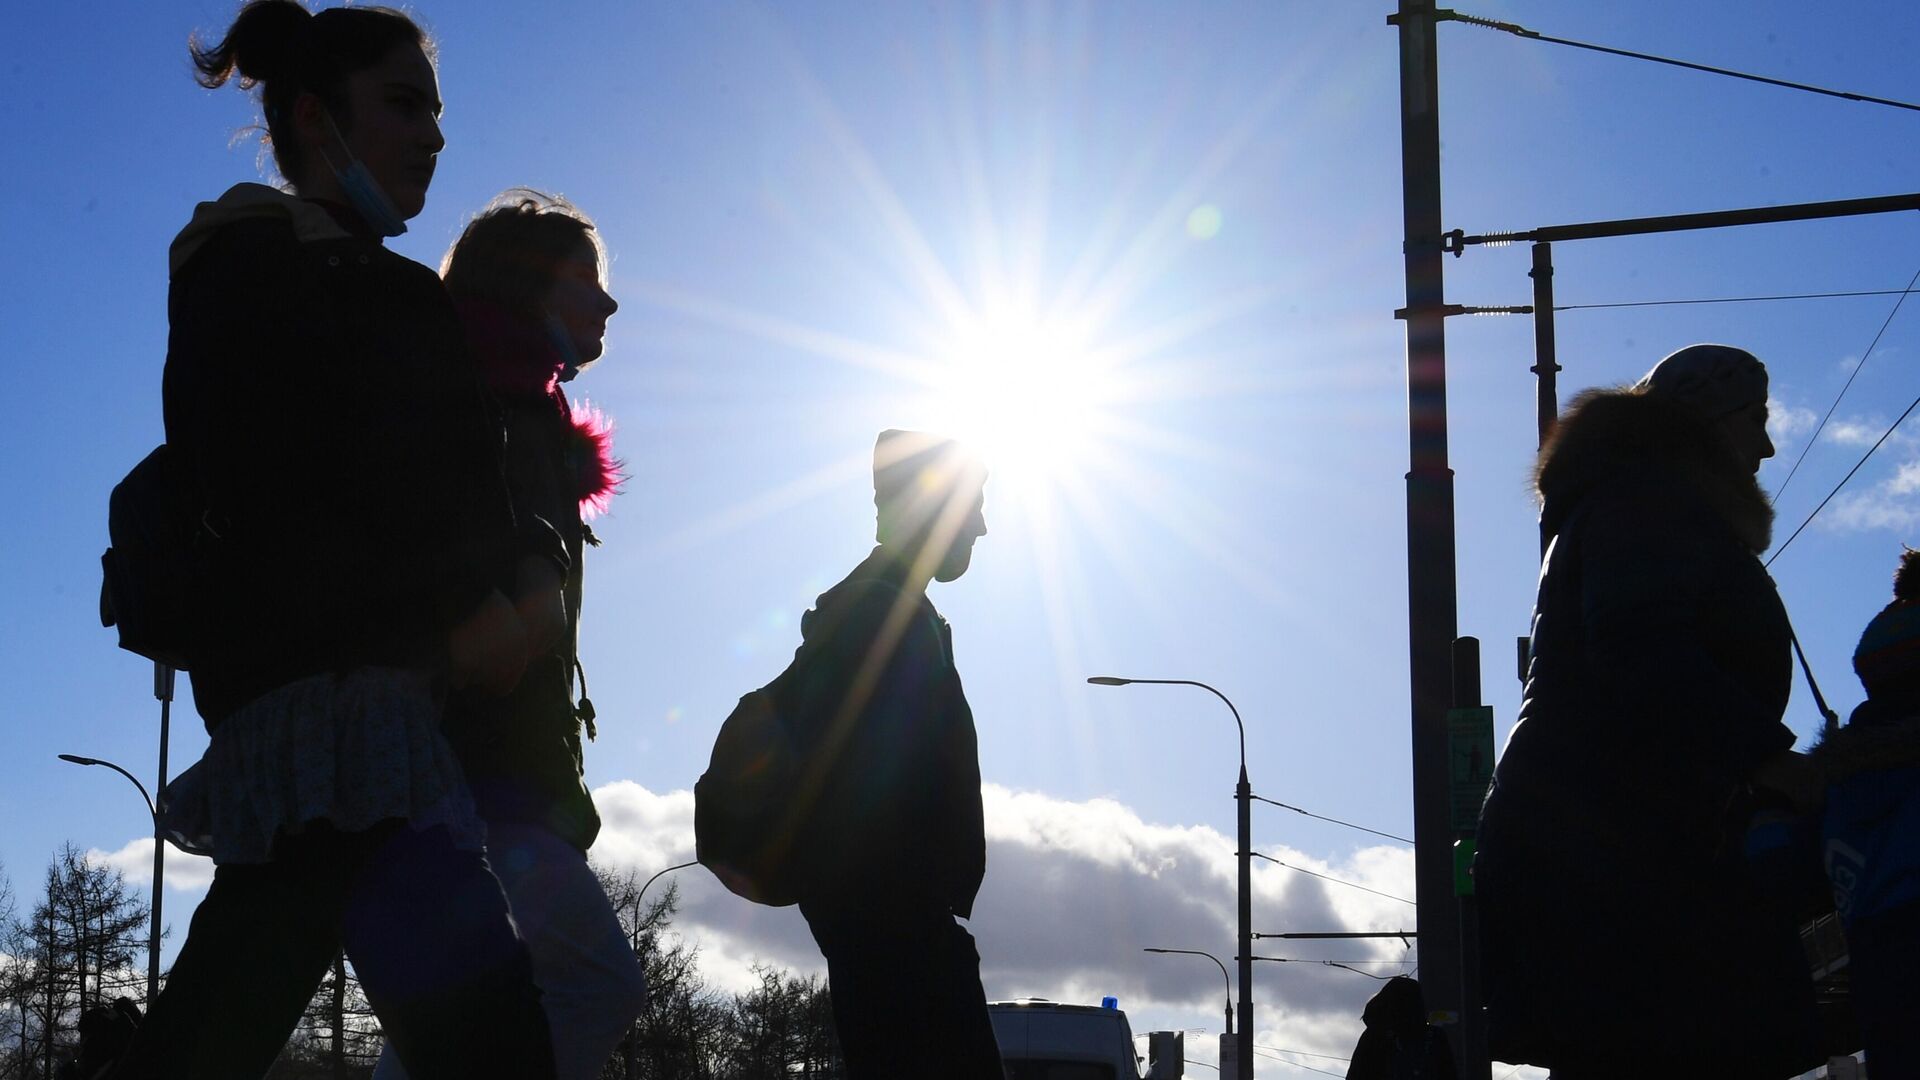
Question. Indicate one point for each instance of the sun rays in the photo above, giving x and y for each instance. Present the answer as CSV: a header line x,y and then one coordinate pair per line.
x,y
1027,320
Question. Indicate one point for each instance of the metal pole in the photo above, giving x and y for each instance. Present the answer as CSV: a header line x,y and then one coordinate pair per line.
x,y
1431,602
162,689
1244,794
1546,364
1473,1022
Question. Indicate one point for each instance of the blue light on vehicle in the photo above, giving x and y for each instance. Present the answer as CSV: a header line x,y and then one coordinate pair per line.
x,y
1109,1002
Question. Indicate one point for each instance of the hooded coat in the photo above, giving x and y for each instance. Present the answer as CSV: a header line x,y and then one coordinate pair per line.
x,y
319,391
522,751
1619,925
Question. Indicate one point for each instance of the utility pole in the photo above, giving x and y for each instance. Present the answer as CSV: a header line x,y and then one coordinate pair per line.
x,y
1431,607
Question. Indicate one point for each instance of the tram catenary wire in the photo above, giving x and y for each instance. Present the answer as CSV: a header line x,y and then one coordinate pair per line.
x,y
1534,35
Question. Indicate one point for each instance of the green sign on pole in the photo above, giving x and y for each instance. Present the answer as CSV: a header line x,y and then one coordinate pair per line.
x,y
1469,763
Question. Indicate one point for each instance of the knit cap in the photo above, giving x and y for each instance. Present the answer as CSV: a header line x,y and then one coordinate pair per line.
x,y
1713,380
916,474
1888,656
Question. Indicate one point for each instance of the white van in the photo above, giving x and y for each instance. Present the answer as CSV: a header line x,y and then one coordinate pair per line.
x,y
1045,1040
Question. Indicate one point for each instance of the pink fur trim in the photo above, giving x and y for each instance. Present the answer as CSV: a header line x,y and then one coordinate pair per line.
x,y
597,473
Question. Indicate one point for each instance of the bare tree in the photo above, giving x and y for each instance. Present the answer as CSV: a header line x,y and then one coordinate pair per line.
x,y
75,951
781,1029
339,1037
676,1035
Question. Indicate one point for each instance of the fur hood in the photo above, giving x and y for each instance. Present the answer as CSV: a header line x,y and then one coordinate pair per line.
x,y
1614,436
1874,738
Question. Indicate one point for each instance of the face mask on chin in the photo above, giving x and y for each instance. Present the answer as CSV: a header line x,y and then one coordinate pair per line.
x,y
362,191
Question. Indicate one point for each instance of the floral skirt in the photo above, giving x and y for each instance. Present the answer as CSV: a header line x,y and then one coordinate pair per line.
x,y
349,749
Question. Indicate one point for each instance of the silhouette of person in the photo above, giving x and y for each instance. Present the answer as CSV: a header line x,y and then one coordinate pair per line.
x,y
1871,830
1619,923
527,276
1398,1043
320,395
894,848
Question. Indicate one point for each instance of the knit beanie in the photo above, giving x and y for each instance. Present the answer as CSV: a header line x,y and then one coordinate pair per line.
x,y
915,475
1888,656
1712,380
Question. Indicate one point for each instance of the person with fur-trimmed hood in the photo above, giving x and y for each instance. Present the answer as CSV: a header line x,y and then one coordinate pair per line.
x,y
1871,830
1618,925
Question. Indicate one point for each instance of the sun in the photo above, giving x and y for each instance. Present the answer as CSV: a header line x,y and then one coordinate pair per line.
x,y
1026,393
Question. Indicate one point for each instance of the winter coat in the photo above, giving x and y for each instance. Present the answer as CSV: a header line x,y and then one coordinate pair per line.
x,y
318,389
1610,869
1871,824
898,827
522,752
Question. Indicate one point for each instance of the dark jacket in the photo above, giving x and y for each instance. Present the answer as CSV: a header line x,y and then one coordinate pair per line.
x,y
898,826
1610,860
522,752
318,389
1871,824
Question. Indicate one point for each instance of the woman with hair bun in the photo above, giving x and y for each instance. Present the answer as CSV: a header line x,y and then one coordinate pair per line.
x,y
528,278
359,549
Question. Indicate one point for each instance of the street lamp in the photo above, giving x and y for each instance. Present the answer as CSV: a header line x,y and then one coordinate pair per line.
x,y
1223,975
159,865
1243,794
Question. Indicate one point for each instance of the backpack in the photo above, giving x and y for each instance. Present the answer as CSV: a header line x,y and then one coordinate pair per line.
x,y
745,824
752,806
154,570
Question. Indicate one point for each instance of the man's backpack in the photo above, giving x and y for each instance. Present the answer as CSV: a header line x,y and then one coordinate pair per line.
x,y
753,805
153,573
746,826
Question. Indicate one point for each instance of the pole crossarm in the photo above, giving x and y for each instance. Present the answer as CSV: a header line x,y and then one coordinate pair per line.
x,y
1458,240
1344,934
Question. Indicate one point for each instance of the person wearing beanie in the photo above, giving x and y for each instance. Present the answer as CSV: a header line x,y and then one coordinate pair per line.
x,y
894,849
1611,868
1871,830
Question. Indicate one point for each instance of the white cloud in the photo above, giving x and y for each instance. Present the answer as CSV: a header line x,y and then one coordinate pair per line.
x,y
1074,892
1786,422
1854,431
184,873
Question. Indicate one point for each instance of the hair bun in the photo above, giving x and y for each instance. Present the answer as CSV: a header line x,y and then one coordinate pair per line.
x,y
269,38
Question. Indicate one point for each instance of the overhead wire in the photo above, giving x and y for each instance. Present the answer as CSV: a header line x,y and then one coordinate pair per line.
x,y
1335,880
1270,1056
1324,963
1736,299
1822,426
1323,817
1534,35
1302,1053
1843,482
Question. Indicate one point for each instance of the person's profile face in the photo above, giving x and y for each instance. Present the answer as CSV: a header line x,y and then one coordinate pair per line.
x,y
1745,429
580,303
959,554
394,126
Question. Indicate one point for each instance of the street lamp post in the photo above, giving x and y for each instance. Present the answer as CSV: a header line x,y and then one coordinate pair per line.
x,y
159,854
1223,975
1243,794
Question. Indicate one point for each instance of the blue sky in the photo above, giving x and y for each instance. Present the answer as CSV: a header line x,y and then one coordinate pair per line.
x,y
1183,222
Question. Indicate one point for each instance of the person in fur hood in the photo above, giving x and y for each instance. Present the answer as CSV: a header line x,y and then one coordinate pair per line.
x,y
1618,924
1871,829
